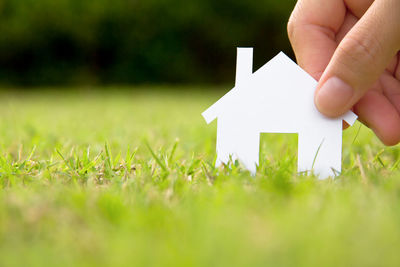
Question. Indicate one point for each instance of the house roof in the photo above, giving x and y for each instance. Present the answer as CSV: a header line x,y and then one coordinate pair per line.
x,y
280,63
213,111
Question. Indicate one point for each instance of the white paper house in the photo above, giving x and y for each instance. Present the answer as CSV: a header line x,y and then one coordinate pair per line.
x,y
277,98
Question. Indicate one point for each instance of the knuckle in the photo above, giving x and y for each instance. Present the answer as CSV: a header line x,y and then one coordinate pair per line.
x,y
361,49
291,26
293,22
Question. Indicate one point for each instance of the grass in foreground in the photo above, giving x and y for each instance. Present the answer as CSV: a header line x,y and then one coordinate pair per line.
x,y
127,178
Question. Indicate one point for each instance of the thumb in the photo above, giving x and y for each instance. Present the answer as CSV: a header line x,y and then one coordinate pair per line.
x,y
360,58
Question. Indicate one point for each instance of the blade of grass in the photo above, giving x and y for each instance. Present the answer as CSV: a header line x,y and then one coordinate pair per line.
x,y
157,159
171,155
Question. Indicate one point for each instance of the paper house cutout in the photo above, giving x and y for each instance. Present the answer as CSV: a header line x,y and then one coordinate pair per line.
x,y
277,98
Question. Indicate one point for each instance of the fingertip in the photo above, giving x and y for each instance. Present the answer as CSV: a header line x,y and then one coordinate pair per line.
x,y
375,110
333,98
390,142
389,136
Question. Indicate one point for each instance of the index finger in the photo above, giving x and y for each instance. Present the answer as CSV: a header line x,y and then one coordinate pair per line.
x,y
312,30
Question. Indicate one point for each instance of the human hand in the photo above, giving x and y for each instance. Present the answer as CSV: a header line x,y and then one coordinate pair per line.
x,y
352,48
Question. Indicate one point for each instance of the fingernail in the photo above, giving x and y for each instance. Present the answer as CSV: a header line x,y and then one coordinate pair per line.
x,y
333,97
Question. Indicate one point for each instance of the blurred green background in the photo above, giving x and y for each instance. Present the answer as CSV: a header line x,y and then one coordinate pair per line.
x,y
125,176
64,42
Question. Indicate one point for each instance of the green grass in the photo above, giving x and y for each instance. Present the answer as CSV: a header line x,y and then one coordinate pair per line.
x,y
126,178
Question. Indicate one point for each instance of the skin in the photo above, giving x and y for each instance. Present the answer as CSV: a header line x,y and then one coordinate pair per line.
x,y
352,48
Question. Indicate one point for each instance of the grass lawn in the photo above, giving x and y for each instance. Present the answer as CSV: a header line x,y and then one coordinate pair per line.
x,y
126,178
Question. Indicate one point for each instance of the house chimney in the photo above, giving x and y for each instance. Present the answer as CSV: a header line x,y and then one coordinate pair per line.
x,y
244,64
